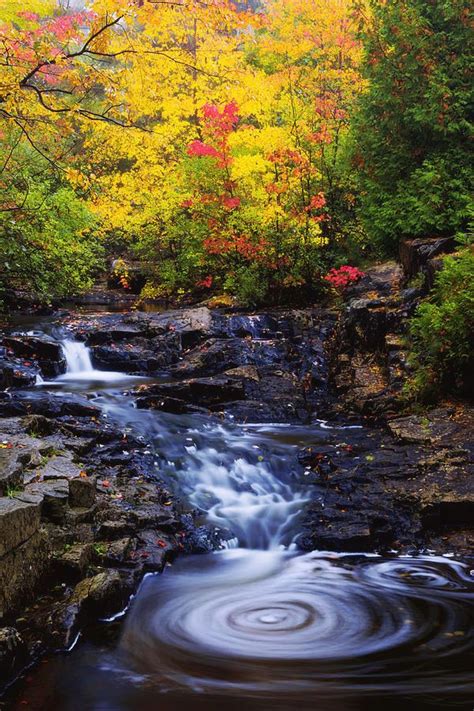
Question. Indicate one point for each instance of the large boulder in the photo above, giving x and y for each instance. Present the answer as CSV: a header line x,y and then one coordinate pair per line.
x,y
415,254
46,351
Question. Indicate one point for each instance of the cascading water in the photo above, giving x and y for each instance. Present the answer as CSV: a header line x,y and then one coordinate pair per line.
x,y
265,624
77,355
242,496
79,365
259,625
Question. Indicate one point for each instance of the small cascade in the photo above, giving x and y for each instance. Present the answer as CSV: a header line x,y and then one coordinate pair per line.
x,y
242,496
79,366
77,355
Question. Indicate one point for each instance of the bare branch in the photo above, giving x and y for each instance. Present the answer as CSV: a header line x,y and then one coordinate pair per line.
x,y
70,55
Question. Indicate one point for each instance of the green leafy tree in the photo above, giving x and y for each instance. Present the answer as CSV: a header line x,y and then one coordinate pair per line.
x,y
46,233
412,128
442,330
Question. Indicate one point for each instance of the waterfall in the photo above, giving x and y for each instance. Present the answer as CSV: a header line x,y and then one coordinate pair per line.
x,y
79,366
78,359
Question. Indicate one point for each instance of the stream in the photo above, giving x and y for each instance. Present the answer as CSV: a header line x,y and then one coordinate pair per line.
x,y
259,625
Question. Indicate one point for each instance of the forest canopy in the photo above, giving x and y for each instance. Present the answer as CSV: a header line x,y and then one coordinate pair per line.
x,y
239,148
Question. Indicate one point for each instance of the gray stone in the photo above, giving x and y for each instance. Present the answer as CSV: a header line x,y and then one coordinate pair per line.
x,y
60,467
20,571
433,427
82,492
153,515
80,515
103,593
11,426
18,522
11,470
73,564
111,530
117,551
55,499
39,425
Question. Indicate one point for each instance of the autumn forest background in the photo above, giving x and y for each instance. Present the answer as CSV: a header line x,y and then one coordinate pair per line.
x,y
265,152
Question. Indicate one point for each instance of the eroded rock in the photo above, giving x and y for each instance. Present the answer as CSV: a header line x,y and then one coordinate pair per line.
x,y
18,522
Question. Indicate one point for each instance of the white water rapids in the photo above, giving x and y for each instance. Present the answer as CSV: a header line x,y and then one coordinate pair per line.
x,y
238,492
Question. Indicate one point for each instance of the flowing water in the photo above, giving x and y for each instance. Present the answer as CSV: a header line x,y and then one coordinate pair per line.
x,y
80,370
258,625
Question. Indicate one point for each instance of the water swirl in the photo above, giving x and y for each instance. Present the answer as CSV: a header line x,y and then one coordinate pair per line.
x,y
266,621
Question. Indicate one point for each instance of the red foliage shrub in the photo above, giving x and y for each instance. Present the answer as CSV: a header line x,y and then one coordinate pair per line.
x,y
343,277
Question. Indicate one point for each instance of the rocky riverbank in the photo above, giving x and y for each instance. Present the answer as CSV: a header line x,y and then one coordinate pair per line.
x,y
85,510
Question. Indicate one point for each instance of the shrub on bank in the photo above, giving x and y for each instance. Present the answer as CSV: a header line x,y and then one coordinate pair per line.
x,y
442,329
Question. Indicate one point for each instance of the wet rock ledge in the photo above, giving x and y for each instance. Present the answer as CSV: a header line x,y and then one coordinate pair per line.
x,y
81,521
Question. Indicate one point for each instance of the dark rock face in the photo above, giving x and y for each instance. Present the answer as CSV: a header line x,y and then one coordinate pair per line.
x,y
72,565
202,391
82,492
103,594
433,427
129,360
26,403
368,355
16,375
377,491
47,353
416,254
18,522
11,469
